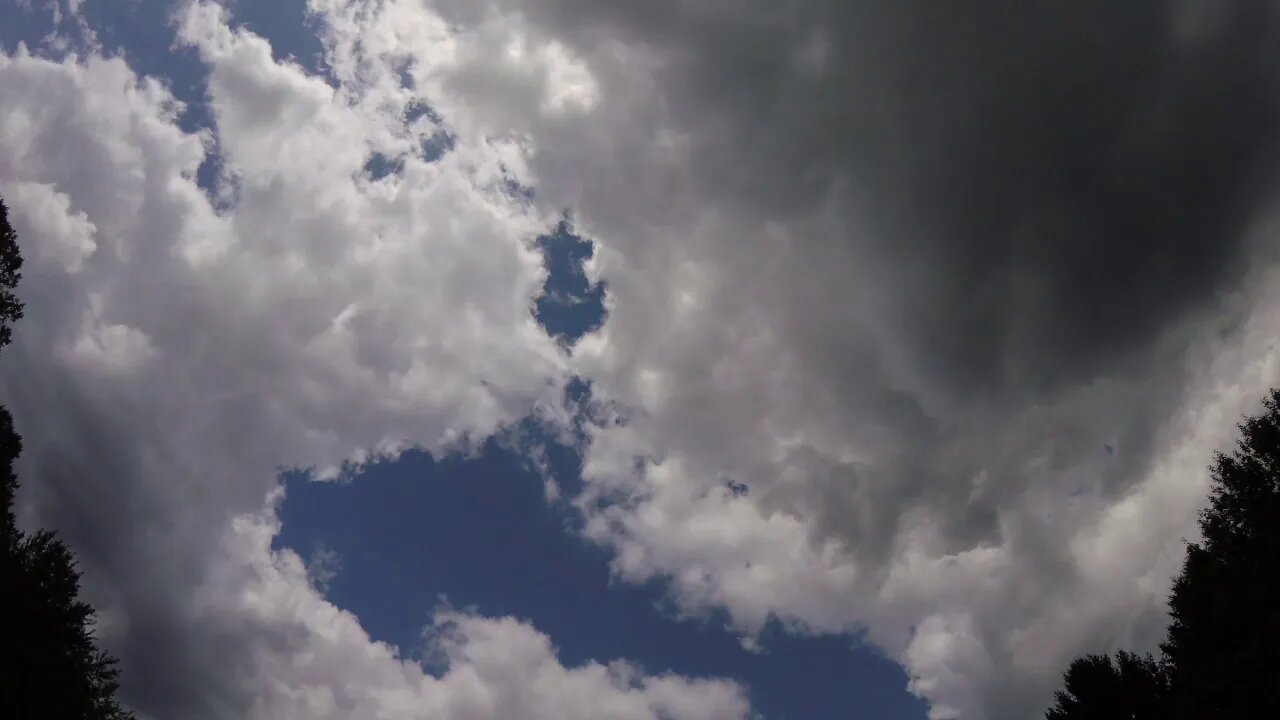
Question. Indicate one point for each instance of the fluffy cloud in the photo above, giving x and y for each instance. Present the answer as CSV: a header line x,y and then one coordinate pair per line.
x,y
41,211
316,662
179,348
961,297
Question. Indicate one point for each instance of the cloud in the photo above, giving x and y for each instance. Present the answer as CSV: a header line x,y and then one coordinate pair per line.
x,y
323,566
317,662
179,348
884,279
903,272
42,211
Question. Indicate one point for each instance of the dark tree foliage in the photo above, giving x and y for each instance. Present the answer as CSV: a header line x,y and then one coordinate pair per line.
x,y
50,666
1130,687
1224,640
1221,657
10,265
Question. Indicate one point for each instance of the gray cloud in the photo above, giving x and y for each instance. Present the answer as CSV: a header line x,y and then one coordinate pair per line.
x,y
904,270
1035,195
1063,178
908,271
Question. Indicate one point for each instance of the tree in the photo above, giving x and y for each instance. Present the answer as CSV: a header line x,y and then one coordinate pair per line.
x,y
10,267
1221,656
1132,687
10,311
1223,643
50,666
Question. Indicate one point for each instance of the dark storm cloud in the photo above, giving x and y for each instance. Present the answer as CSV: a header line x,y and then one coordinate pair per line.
x,y
1067,181
1038,193
1051,184
1040,212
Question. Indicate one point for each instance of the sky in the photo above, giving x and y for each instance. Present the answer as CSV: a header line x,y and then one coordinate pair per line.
x,y
674,360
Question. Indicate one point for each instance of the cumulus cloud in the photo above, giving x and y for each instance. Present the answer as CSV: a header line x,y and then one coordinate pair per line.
x,y
963,297
921,320
317,662
909,303
180,348
41,211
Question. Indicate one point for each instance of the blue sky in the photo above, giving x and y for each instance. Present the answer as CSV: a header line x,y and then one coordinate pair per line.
x,y
415,533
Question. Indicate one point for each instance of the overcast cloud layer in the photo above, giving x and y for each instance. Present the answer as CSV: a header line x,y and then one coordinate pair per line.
x,y
964,298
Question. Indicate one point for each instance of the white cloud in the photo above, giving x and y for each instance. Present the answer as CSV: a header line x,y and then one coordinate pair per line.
x,y
758,331
62,236
175,354
110,348
317,662
323,566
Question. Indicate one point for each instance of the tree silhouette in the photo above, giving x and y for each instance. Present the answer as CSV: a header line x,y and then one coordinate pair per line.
x,y
10,274
1132,687
1221,656
1223,641
50,666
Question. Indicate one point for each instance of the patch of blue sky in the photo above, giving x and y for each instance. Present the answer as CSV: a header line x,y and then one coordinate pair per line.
x,y
437,145
379,166
139,30
434,139
287,25
143,32
25,22
570,305
418,109
478,532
